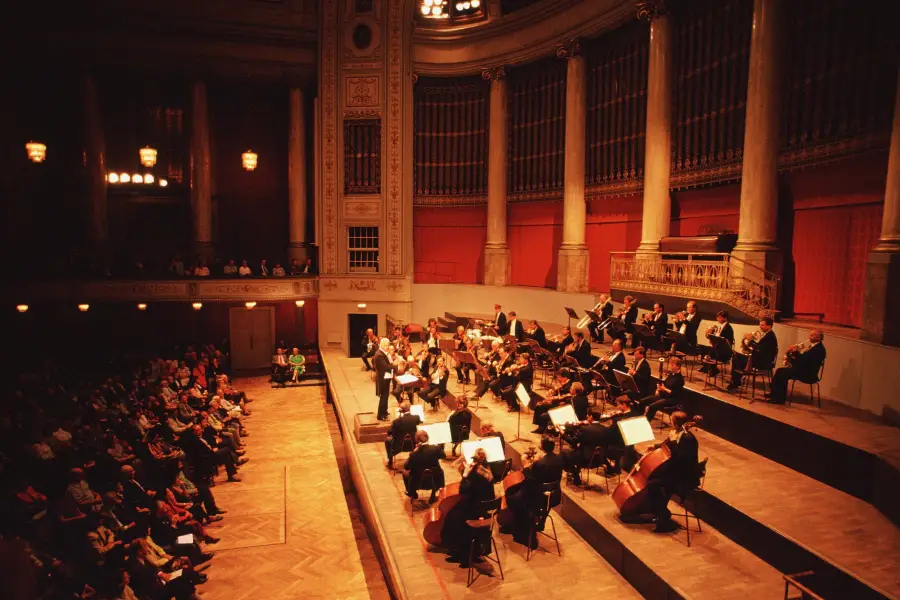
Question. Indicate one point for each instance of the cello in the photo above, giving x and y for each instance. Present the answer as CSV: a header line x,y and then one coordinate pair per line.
x,y
505,517
631,494
436,516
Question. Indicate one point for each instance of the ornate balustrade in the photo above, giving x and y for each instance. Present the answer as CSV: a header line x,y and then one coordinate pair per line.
x,y
710,276
193,290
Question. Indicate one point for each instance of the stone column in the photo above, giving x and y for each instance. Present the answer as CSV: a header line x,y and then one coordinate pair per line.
x,y
657,210
881,323
297,179
758,228
572,269
201,201
95,164
496,250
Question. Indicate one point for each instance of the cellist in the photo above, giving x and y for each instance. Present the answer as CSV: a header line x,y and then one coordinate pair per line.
x,y
476,487
529,496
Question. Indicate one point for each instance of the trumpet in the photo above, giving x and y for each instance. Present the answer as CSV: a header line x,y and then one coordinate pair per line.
x,y
647,319
794,351
587,319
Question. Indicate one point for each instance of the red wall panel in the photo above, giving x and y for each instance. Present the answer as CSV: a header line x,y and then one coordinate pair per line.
x,y
535,233
613,225
448,243
707,209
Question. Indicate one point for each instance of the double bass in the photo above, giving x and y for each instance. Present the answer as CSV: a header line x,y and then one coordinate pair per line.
x,y
631,494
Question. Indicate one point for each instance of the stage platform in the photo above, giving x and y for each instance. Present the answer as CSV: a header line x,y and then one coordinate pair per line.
x,y
750,505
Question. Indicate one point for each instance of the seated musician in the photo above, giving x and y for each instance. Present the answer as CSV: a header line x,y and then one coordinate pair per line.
x,y
580,402
614,361
605,311
296,361
580,350
558,393
687,324
402,426
803,363
565,341
502,376
437,386
763,353
475,488
657,321
498,467
723,330
628,316
678,475
370,345
528,497
463,371
490,365
279,368
433,341
425,456
536,333
524,374
460,423
668,391
602,433
642,374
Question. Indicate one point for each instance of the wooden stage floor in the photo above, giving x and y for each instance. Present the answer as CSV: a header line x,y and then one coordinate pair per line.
x,y
288,534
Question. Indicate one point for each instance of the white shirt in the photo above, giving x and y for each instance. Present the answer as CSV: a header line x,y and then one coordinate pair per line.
x,y
512,326
243,270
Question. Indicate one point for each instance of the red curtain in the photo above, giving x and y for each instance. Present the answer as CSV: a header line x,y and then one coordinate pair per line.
x,y
449,243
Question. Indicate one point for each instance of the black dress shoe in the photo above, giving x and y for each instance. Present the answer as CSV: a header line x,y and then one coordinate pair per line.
x,y
665,526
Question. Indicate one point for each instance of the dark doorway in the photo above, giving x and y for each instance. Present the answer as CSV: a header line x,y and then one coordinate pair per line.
x,y
358,325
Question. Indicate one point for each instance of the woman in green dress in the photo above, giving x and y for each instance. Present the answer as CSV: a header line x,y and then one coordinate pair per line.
x,y
296,361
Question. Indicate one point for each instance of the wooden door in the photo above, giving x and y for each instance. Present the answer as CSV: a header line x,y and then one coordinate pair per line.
x,y
252,338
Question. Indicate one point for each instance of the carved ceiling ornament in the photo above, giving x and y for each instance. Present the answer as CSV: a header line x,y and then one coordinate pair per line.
x,y
650,9
494,73
570,49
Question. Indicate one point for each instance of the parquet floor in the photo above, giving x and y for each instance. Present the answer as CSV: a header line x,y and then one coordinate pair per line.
x,y
288,533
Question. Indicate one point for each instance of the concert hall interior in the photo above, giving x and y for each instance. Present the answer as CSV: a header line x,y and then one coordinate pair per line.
x,y
450,298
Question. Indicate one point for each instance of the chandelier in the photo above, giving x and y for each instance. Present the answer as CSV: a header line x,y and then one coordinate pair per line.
x,y
36,151
148,156
249,160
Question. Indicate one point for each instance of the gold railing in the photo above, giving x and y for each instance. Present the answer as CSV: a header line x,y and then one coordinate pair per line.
x,y
708,276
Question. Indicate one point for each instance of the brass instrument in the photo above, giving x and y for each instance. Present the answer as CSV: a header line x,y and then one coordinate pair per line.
x,y
647,319
604,359
556,337
712,331
794,351
680,316
586,319
550,399
750,341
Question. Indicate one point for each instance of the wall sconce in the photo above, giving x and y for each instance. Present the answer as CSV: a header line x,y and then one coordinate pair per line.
x,y
113,178
142,306
197,305
300,303
249,159
163,183
148,178
361,305
148,156
137,178
22,308
84,307
125,178
249,305
36,151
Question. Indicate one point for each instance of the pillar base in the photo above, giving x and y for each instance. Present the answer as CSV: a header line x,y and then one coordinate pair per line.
x,y
880,324
767,258
496,265
572,271
645,248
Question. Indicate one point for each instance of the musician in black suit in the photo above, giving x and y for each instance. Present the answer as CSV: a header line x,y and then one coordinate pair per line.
x,y
500,321
642,374
475,488
383,384
581,351
503,377
678,475
515,327
803,366
687,325
463,371
537,334
763,353
668,391
528,497
404,425
425,456
614,361
723,330
370,347
628,317
562,387
460,423
580,403
437,386
560,347
524,374
605,311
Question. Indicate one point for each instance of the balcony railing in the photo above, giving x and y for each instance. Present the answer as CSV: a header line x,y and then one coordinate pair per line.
x,y
710,276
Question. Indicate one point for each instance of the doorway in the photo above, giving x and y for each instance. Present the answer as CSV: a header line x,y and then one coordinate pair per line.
x,y
358,323
252,338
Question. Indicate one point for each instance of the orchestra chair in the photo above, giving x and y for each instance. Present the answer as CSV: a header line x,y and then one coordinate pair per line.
x,y
666,411
429,477
722,366
489,508
751,373
814,382
542,515
405,446
463,436
687,514
593,465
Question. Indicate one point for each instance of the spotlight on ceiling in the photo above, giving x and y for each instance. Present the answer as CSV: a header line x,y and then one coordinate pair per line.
x,y
22,308
197,305
148,156
148,178
36,151
113,178
361,305
137,178
163,183
125,178
142,306
84,307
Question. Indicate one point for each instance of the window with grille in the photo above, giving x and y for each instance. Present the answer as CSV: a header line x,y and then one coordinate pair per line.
x,y
362,248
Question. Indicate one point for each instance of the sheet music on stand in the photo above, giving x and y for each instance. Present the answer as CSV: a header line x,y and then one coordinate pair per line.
x,y
562,415
438,433
522,396
626,382
636,430
493,447
406,379
447,345
572,314
593,316
415,409
463,358
185,539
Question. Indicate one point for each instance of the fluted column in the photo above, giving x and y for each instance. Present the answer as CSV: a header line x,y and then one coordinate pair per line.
x,y
201,201
657,207
572,269
881,323
758,228
496,250
297,179
95,164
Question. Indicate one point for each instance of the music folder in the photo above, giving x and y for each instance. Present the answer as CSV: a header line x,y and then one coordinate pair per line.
x,y
493,447
187,538
522,396
562,415
415,409
438,433
636,430
626,382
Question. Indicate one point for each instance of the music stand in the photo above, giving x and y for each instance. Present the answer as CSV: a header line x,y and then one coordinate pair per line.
x,y
644,332
414,409
562,415
636,430
677,338
438,433
492,446
626,382
572,315
524,400
463,358
480,370
447,345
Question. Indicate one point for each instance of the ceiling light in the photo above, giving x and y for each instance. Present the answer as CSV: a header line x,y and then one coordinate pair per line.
x,y
300,303
148,178
361,305
476,3
197,305
84,307
125,178
113,178
22,308
137,178
425,10
142,306
459,6
163,183
148,156
249,159
36,151
435,10
249,305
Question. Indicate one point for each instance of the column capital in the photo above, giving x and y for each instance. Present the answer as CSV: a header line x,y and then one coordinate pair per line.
x,y
569,49
494,73
650,9
415,78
